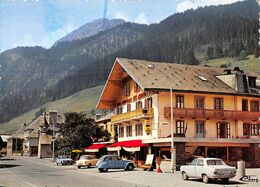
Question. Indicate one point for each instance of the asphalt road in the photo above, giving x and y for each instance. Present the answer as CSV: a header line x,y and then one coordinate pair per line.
x,y
23,172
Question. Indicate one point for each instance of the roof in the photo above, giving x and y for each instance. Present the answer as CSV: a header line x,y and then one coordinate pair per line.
x,y
161,76
156,75
105,118
5,137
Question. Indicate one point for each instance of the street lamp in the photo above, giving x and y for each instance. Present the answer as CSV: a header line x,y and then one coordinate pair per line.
x,y
151,66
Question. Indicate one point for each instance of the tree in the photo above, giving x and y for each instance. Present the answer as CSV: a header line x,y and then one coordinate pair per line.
x,y
79,132
242,55
218,51
210,53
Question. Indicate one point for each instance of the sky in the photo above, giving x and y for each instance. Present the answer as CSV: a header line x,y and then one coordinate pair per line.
x,y
42,22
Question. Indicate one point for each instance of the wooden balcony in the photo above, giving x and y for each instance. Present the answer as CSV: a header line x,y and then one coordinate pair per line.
x,y
211,114
135,114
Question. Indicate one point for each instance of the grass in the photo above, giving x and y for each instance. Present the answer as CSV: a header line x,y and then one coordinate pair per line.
x,y
82,101
250,64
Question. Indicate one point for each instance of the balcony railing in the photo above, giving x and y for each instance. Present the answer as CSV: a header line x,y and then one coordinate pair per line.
x,y
212,114
139,113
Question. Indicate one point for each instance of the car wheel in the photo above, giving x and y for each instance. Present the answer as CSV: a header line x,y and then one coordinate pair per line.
x,y
205,178
184,176
130,167
225,180
79,167
89,166
100,169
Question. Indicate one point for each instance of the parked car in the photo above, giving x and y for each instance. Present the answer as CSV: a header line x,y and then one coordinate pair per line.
x,y
63,160
86,160
208,168
114,162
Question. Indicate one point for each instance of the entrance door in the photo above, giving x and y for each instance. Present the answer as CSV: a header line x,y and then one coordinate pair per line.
x,y
223,130
199,129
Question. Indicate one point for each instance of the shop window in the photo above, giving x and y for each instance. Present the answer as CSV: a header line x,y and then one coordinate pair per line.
x,y
138,129
128,107
121,132
244,105
127,89
179,127
199,102
129,131
179,101
254,106
148,102
218,103
139,105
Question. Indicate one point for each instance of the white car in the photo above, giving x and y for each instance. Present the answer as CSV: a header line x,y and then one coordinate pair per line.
x,y
208,168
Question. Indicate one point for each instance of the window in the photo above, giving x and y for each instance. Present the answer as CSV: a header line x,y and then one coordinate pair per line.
x,y
138,129
200,163
244,105
246,129
128,107
121,132
254,129
137,88
119,110
199,102
179,101
148,102
129,131
194,162
139,105
254,106
127,89
219,103
223,129
179,127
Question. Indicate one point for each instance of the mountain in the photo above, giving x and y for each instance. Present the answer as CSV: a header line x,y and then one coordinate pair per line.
x,y
83,101
32,76
90,29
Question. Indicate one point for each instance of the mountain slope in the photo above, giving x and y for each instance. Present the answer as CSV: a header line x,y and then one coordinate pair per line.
x,y
43,75
83,101
90,29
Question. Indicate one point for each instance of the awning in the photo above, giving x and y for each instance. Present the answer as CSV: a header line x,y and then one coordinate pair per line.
x,y
95,147
113,148
130,145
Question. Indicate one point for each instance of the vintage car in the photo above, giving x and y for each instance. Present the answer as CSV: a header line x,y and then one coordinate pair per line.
x,y
86,160
208,168
64,160
114,162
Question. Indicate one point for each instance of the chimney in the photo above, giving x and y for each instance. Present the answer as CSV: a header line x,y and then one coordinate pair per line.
x,y
235,79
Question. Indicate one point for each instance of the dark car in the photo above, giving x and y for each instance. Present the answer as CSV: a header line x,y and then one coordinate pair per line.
x,y
114,162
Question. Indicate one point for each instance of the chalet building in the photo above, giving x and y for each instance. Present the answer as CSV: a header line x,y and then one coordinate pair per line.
x,y
215,111
3,143
35,139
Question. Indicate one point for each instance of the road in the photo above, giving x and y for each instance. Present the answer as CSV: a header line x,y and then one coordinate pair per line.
x,y
26,172
34,172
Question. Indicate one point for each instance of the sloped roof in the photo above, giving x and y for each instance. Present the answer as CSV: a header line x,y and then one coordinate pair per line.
x,y
5,137
105,118
179,76
161,76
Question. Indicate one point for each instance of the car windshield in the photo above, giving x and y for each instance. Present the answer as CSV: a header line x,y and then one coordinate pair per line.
x,y
214,162
85,157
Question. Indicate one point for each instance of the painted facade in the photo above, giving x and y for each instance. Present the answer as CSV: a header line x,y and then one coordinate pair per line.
x,y
221,121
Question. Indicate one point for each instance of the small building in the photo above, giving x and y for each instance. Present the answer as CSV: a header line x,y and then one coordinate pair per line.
x,y
105,123
3,143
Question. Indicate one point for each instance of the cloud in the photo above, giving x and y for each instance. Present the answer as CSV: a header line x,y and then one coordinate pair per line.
x,y
193,4
185,5
121,15
141,18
